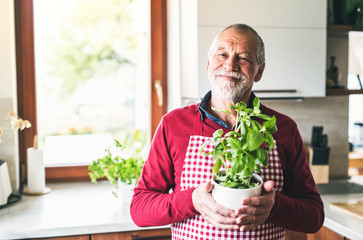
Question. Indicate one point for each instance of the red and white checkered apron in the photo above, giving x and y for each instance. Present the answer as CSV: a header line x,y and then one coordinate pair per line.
x,y
197,169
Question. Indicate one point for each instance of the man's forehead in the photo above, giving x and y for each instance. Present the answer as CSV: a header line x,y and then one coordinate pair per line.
x,y
245,41
236,36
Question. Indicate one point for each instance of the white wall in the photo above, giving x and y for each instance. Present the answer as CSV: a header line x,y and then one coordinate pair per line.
x,y
9,146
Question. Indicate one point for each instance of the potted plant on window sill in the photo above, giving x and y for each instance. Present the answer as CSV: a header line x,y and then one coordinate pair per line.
x,y
123,168
241,153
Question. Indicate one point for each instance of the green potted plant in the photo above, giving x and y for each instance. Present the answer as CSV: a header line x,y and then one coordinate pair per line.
x,y
124,167
241,152
355,7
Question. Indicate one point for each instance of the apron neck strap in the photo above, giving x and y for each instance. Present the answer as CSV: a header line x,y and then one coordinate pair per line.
x,y
197,124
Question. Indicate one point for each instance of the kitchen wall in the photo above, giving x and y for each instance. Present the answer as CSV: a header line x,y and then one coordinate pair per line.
x,y
329,112
8,147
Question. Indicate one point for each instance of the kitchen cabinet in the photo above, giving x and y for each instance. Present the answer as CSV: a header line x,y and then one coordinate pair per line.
x,y
159,234
295,45
325,234
79,237
154,234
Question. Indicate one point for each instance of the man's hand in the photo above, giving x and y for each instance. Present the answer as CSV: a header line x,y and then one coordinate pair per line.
x,y
212,212
255,210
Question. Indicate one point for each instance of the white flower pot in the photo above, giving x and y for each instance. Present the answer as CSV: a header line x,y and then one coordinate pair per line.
x,y
124,192
231,197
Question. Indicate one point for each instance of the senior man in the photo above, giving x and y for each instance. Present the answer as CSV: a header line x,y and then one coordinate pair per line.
x,y
236,60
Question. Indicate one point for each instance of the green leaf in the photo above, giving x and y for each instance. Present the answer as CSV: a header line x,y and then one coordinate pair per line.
x,y
217,166
264,116
256,125
254,140
258,169
243,129
270,123
232,133
273,129
251,162
246,112
263,156
239,106
202,148
270,140
217,135
233,184
236,166
256,102
234,142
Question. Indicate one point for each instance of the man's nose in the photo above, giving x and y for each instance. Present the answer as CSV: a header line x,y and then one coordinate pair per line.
x,y
230,64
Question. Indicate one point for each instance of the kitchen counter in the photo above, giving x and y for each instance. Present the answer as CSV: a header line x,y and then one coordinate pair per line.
x,y
86,208
340,222
69,209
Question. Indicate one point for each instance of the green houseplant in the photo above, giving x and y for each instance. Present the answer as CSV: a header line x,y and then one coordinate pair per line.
x,y
355,7
125,165
241,151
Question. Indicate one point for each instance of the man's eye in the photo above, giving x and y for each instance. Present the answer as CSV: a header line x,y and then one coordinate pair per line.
x,y
222,54
243,59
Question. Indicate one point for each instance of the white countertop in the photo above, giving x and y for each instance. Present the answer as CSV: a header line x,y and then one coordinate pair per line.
x,y
86,208
346,225
69,209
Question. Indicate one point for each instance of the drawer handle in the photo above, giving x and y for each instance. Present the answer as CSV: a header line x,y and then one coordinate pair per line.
x,y
151,237
276,91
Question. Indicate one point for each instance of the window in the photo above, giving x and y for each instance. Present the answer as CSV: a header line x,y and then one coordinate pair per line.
x,y
89,57
27,106
355,70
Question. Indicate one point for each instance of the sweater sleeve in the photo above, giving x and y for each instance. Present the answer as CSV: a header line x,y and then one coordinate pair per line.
x,y
299,207
152,203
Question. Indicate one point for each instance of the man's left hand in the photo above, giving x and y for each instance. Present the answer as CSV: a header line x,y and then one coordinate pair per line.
x,y
255,210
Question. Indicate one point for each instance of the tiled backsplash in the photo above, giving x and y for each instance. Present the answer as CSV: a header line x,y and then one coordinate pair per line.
x,y
8,151
329,112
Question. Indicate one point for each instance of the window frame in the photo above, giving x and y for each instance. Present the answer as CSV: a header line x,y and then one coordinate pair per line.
x,y
26,82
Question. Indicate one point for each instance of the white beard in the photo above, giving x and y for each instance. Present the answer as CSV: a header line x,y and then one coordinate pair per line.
x,y
231,91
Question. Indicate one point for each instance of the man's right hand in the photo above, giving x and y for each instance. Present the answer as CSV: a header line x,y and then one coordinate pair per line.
x,y
212,212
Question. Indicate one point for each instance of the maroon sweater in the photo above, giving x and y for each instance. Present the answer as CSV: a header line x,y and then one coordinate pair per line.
x,y
298,207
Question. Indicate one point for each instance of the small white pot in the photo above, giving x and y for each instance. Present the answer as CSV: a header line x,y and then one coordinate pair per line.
x,y
231,197
124,192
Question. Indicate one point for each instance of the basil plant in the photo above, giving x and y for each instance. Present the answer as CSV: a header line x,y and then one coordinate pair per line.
x,y
241,151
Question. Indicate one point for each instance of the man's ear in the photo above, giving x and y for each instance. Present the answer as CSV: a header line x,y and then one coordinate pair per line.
x,y
259,73
208,65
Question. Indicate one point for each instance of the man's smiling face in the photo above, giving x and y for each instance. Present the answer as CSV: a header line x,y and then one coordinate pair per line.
x,y
232,64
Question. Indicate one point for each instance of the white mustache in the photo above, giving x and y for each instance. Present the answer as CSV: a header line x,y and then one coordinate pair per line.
x,y
222,72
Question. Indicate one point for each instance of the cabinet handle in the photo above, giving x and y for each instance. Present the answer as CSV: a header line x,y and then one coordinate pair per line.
x,y
151,237
276,91
159,91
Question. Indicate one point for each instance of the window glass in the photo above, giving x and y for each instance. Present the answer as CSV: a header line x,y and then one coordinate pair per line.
x,y
355,70
92,75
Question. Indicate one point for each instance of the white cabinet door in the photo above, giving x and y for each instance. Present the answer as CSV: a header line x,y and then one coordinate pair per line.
x,y
262,13
295,63
294,33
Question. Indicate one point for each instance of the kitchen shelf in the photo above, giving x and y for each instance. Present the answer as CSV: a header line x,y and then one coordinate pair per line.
x,y
343,92
341,30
